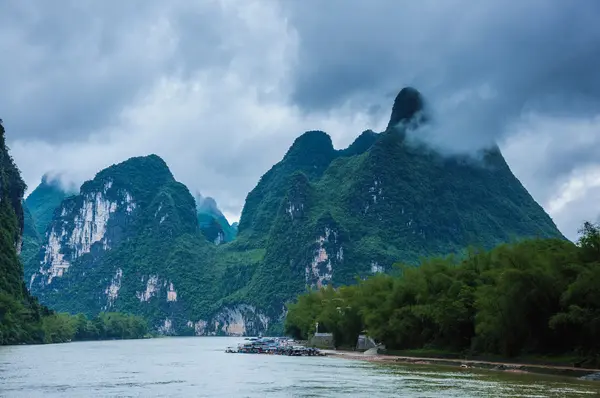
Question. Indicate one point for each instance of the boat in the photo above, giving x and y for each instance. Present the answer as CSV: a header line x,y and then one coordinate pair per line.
x,y
273,346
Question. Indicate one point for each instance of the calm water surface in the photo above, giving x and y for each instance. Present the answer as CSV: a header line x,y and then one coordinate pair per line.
x,y
198,367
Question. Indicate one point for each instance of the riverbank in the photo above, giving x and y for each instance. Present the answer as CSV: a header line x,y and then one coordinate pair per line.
x,y
589,374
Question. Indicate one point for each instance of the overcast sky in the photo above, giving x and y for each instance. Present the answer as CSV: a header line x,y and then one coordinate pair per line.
x,y
220,88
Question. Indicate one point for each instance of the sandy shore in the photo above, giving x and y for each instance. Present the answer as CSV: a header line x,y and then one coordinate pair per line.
x,y
468,364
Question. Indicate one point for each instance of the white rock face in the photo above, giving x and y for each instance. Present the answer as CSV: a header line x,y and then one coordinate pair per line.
x,y
236,321
376,190
151,289
153,285
166,327
89,227
375,267
54,259
112,291
199,327
171,293
314,271
340,253
19,245
292,210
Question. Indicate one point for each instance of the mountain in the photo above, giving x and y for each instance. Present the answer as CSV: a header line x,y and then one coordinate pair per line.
x,y
44,200
326,216
213,224
130,242
135,240
113,238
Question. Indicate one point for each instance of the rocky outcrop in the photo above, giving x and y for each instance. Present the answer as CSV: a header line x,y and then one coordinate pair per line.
x,y
94,219
236,320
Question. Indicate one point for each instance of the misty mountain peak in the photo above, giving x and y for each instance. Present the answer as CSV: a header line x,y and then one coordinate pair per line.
x,y
407,104
207,204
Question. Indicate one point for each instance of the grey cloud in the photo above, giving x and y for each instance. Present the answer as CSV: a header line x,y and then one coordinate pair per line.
x,y
221,88
534,55
531,49
75,64
485,68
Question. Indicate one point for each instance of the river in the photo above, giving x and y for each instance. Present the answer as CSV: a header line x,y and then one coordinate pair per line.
x,y
199,367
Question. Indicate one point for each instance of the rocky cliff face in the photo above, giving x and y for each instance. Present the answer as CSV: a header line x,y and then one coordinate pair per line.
x,y
97,219
132,210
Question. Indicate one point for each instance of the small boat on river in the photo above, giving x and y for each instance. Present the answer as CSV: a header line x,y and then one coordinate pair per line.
x,y
273,346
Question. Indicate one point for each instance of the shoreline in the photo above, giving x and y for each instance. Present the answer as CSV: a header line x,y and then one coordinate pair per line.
x,y
553,370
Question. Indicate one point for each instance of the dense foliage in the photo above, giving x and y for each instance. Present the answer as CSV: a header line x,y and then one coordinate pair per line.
x,y
31,241
22,318
531,297
19,313
60,328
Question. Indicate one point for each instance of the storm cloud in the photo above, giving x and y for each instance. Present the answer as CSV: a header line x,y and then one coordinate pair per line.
x,y
220,88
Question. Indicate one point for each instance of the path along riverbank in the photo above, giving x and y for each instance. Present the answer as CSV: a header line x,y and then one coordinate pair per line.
x,y
583,373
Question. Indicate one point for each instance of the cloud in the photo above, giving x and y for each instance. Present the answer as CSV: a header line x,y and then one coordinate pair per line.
x,y
219,121
220,88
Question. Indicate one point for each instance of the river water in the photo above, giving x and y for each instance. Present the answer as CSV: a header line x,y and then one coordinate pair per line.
x,y
199,367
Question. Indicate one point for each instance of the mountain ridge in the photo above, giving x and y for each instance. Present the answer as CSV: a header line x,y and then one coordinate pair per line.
x,y
320,216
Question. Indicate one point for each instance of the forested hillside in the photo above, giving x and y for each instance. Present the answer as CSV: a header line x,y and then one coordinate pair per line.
x,y
22,318
533,297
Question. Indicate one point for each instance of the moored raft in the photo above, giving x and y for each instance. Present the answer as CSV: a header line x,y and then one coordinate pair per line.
x,y
274,346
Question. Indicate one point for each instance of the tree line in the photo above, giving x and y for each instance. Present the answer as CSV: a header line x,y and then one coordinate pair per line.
x,y
534,297
36,324
63,327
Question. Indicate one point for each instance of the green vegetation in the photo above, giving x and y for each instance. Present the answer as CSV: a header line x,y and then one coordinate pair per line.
x,y
60,328
534,297
22,318
31,241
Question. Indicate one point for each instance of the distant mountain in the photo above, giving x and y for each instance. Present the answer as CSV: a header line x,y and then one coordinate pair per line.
x,y
135,240
39,208
212,222
44,200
